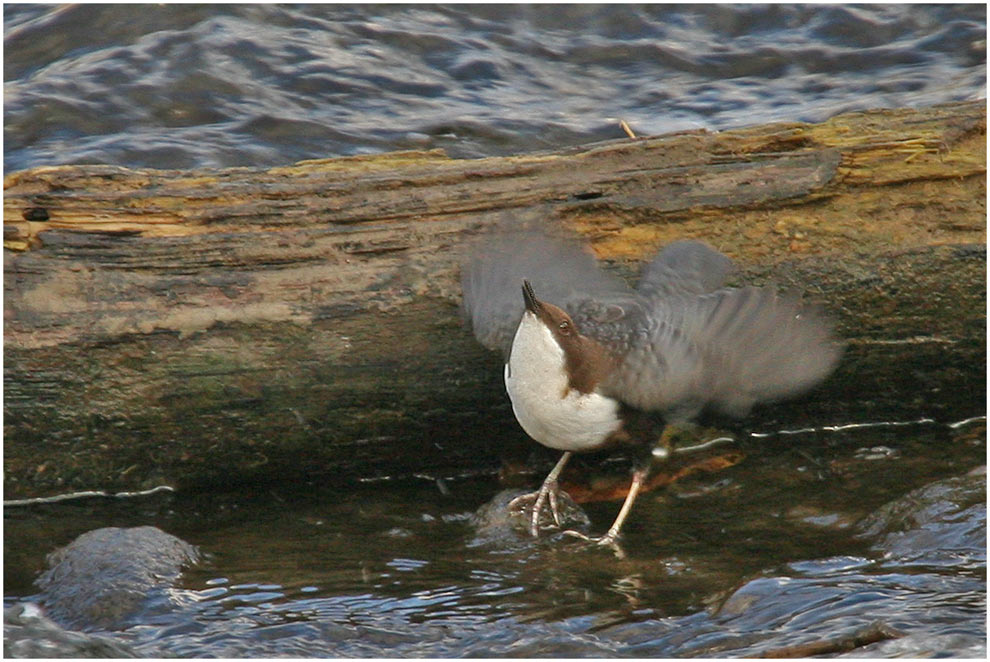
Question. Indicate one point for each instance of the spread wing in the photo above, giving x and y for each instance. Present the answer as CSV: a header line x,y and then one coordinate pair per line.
x,y
560,270
684,267
689,343
726,350
682,343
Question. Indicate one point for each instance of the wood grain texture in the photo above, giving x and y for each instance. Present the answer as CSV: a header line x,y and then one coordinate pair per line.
x,y
237,325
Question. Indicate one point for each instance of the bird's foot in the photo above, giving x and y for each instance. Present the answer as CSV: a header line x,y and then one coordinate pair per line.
x,y
607,539
610,539
547,492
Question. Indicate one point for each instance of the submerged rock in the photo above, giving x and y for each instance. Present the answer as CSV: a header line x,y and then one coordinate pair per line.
x,y
27,633
943,523
925,588
106,575
497,525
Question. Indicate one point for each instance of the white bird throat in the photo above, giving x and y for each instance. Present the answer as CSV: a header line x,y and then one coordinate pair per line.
x,y
551,412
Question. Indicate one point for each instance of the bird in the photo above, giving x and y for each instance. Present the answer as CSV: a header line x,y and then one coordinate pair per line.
x,y
591,362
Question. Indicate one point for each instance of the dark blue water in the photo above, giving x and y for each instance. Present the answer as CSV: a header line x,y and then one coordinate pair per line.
x,y
181,86
761,556
769,554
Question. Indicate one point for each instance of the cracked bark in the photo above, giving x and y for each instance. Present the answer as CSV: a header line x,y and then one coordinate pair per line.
x,y
200,327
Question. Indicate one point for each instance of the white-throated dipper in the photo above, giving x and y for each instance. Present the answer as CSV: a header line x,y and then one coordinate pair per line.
x,y
591,361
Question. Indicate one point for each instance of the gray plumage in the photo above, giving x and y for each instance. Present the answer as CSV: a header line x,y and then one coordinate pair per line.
x,y
681,340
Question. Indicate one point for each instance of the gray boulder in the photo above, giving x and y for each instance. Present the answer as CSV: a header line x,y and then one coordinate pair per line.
x,y
107,575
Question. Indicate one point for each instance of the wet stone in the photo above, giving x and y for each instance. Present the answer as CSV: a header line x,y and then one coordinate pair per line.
x,y
925,646
107,575
819,518
497,525
940,526
28,634
386,638
944,523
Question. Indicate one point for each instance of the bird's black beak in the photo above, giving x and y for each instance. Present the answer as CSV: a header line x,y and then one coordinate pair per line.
x,y
532,304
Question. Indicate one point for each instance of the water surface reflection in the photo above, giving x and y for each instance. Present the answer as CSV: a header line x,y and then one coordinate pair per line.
x,y
767,553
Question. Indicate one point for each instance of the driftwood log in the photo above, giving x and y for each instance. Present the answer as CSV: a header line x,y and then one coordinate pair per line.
x,y
213,327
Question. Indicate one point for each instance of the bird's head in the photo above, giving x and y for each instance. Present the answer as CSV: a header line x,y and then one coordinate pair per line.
x,y
585,360
556,320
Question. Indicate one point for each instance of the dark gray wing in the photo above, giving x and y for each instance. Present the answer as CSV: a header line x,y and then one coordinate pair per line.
x,y
683,344
726,350
560,270
684,267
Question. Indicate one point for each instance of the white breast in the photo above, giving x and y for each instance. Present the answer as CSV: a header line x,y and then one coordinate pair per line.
x,y
547,410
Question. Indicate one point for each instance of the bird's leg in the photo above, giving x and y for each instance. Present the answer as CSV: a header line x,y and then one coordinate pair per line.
x,y
665,444
661,449
638,478
664,448
547,491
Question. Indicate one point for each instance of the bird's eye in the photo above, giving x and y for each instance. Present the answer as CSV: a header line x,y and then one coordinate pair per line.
x,y
564,327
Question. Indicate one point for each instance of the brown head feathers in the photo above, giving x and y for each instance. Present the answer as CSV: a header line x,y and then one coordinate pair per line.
x,y
586,361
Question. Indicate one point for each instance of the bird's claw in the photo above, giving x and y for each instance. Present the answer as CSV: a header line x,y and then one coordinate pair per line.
x,y
607,539
610,539
518,505
547,492
554,508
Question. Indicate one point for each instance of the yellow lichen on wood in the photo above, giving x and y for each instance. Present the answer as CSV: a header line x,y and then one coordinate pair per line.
x,y
739,168
364,162
277,313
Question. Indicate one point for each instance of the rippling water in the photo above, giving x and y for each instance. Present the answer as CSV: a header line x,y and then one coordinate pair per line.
x,y
401,569
762,556
179,86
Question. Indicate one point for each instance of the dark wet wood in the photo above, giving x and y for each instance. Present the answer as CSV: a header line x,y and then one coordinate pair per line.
x,y
615,486
196,328
866,635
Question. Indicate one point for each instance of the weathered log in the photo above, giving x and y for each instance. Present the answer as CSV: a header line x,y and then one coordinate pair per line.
x,y
226,325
